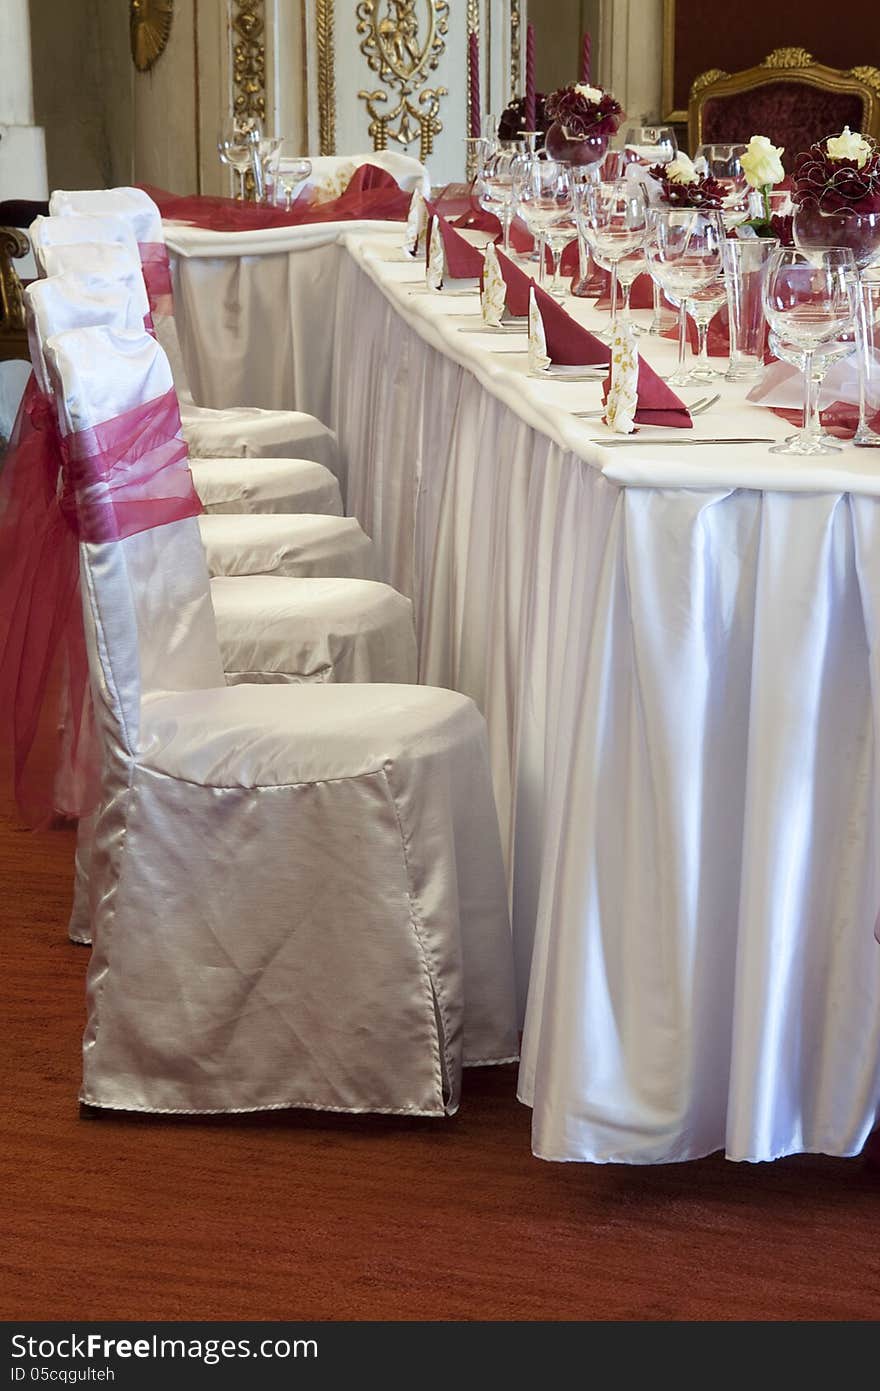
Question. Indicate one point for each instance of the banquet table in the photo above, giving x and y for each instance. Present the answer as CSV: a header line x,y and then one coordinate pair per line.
x,y
677,650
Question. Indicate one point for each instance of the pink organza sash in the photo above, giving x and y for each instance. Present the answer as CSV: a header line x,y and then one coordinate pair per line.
x,y
124,476
372,195
156,268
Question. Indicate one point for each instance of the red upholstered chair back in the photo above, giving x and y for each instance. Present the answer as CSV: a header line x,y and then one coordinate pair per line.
x,y
789,97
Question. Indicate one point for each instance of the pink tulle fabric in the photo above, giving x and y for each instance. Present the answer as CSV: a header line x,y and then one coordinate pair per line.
x,y
119,478
156,269
372,195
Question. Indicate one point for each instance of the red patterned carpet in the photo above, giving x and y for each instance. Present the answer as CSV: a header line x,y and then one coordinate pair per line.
x,y
312,1217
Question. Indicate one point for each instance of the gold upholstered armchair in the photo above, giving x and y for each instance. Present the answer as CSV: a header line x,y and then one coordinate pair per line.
x,y
789,97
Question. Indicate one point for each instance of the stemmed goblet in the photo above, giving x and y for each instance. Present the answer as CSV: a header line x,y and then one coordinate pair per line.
x,y
238,145
810,301
495,189
543,193
614,220
683,252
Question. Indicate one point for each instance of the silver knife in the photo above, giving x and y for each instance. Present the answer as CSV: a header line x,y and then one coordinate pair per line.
x,y
653,440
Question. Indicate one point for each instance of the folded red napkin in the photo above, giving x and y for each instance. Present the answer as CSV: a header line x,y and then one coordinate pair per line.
x,y
657,402
523,242
463,261
479,220
568,343
718,342
517,284
641,296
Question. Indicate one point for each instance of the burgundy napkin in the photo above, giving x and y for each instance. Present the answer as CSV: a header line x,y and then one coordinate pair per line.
x,y
658,403
479,220
641,295
523,242
568,344
718,342
518,285
463,261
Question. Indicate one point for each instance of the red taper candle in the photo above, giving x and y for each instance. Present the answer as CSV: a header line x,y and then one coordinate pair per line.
x,y
587,60
530,77
474,82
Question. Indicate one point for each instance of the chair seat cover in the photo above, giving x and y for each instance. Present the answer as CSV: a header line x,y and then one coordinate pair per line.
x,y
266,485
265,543
309,907
327,630
251,433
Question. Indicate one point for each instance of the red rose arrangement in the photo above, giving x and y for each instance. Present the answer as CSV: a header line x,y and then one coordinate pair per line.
x,y
838,185
584,111
702,193
512,121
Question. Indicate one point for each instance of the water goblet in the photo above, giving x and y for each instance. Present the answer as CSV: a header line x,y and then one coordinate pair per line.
x,y
683,251
614,219
543,193
238,147
810,302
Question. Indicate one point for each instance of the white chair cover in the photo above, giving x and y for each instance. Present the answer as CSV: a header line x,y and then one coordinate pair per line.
x,y
113,293
331,174
128,217
240,544
298,894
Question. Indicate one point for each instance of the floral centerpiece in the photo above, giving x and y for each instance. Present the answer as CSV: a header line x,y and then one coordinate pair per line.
x,y
762,165
512,121
680,186
837,195
582,120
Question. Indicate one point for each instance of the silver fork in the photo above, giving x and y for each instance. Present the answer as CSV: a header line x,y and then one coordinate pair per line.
x,y
699,406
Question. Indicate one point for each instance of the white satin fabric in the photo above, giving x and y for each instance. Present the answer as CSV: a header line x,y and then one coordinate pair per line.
x,y
297,894
678,655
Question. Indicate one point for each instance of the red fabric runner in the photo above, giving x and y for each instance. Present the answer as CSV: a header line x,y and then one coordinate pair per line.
x,y
372,195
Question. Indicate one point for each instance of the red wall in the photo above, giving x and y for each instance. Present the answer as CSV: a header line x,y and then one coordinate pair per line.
x,y
747,32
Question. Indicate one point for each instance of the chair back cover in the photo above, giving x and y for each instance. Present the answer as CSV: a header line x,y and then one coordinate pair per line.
x,y
62,302
147,605
107,261
331,174
134,206
74,231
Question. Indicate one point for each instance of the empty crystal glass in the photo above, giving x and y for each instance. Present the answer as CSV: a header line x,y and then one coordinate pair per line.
x,y
683,252
238,145
543,192
745,269
810,301
614,220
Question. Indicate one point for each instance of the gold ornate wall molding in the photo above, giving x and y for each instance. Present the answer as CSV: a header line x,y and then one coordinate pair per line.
x,y
249,58
149,27
516,83
403,44
325,37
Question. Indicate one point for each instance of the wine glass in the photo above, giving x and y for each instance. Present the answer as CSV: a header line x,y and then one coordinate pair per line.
x,y
543,192
650,144
614,220
238,146
724,164
289,171
810,301
683,251
824,358
269,148
495,189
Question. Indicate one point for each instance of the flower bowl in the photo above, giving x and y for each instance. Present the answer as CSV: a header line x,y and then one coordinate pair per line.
x,y
817,230
574,149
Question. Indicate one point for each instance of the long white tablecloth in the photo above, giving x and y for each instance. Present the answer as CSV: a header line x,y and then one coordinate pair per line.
x,y
677,653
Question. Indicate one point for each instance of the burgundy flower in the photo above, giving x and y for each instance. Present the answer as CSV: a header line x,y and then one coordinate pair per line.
x,y
581,117
836,185
512,121
703,193
782,227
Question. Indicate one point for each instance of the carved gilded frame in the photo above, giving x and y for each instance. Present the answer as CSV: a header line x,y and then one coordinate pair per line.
x,y
791,65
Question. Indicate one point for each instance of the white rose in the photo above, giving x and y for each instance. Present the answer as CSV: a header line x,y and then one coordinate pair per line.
x,y
762,163
681,170
849,145
589,93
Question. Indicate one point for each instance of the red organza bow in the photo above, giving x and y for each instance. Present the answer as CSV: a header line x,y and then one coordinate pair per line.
x,y
121,477
372,195
156,269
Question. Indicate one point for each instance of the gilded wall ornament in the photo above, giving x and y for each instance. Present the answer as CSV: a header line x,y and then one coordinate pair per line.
x,y
403,43
325,38
249,59
150,26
